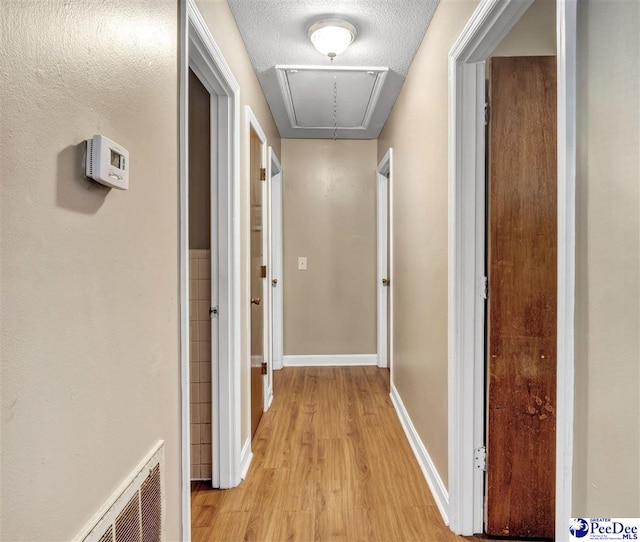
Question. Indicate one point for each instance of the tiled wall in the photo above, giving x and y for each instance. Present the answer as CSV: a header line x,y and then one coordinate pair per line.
x,y
200,362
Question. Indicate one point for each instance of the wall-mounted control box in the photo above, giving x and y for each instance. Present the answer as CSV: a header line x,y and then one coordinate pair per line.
x,y
107,162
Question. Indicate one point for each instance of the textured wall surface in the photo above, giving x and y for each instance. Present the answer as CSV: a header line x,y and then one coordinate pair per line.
x,y
607,415
223,27
89,275
329,196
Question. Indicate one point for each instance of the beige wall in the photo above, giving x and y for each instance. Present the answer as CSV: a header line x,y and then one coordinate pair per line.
x,y
89,276
223,27
534,34
329,198
607,414
417,131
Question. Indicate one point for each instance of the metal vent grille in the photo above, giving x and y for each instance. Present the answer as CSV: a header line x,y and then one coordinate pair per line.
x,y
135,513
151,507
128,522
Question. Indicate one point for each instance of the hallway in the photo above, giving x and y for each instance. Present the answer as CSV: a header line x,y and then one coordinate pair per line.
x,y
331,462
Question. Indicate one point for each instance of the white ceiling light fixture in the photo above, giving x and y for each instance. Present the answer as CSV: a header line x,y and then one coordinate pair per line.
x,y
332,36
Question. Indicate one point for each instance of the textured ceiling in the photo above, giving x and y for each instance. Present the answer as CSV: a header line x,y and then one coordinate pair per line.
x,y
389,34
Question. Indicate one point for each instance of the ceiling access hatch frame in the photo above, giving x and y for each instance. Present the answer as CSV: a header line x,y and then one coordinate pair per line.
x,y
284,71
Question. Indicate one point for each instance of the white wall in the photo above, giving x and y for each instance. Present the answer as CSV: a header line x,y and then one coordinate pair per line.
x,y
89,276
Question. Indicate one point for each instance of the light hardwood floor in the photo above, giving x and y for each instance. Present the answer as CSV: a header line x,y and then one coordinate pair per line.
x,y
331,462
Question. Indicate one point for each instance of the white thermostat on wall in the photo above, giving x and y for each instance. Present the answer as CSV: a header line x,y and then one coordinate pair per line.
x,y
107,162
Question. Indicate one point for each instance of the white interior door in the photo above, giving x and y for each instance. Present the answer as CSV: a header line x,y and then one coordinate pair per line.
x,y
276,264
383,288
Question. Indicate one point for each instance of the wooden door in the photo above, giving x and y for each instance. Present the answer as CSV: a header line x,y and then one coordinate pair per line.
x,y
521,345
257,281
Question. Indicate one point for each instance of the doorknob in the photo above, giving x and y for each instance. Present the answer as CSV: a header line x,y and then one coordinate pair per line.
x,y
255,300
274,281
386,282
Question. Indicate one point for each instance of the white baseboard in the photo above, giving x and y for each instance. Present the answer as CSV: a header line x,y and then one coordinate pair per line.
x,y
336,360
435,483
245,458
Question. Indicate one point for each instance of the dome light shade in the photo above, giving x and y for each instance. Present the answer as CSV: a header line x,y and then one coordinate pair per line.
x,y
332,36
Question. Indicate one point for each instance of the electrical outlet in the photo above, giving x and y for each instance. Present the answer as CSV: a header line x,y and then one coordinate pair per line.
x,y
302,263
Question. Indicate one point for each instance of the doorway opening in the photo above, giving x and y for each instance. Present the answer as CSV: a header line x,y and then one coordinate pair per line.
x,y
489,24
204,68
203,281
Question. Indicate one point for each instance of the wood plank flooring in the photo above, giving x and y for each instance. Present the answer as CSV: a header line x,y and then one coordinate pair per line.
x,y
331,462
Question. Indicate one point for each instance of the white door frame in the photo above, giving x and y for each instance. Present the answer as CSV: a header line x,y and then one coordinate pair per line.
x,y
199,52
489,24
251,123
384,239
274,174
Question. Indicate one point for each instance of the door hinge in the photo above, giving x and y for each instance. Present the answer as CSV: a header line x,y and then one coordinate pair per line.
x,y
388,175
487,113
263,174
213,312
485,288
480,458
263,271
264,368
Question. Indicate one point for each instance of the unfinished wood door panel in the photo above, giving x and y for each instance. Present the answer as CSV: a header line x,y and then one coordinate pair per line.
x,y
257,282
521,346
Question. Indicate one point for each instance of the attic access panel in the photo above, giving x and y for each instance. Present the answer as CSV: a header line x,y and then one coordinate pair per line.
x,y
308,93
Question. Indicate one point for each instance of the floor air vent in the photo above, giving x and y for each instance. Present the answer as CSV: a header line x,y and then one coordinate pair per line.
x,y
135,513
